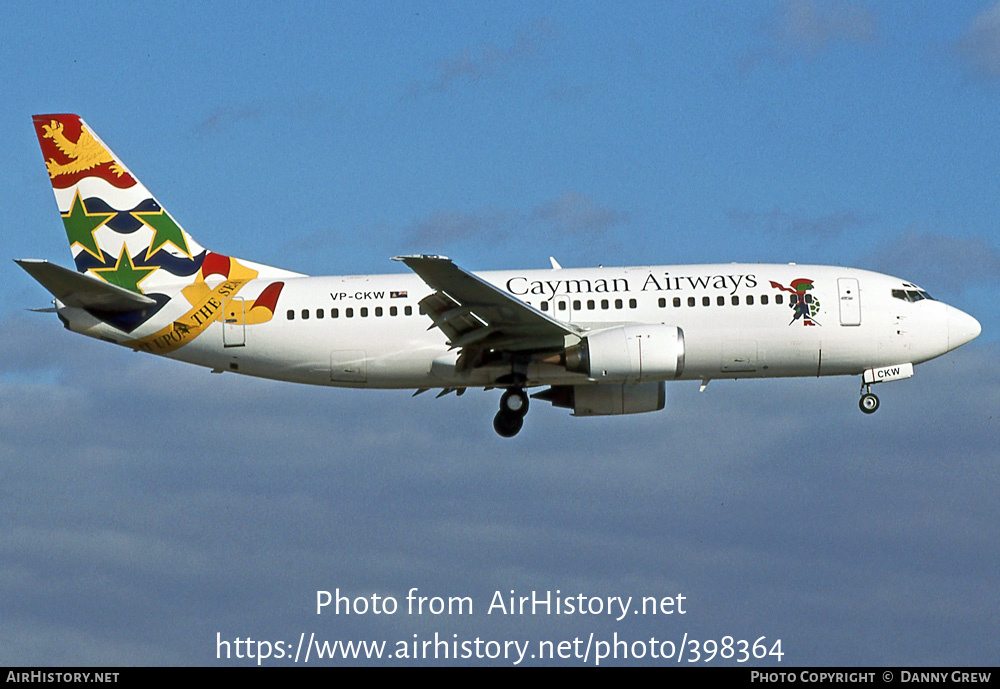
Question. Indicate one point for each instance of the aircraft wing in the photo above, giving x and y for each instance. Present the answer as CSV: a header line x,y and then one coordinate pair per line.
x,y
80,290
478,317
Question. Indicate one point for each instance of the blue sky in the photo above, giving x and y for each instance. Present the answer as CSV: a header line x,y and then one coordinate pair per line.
x,y
149,505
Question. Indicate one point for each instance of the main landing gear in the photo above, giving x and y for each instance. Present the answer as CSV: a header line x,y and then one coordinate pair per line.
x,y
513,407
868,402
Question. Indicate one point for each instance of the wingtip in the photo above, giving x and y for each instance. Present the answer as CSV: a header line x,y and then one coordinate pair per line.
x,y
421,257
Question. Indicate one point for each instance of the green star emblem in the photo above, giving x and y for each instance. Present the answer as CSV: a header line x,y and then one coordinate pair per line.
x,y
124,274
164,230
81,225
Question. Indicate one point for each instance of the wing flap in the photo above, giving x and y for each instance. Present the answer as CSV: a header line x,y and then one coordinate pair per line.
x,y
80,290
476,315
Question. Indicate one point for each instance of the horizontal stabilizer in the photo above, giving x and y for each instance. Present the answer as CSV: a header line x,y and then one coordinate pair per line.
x,y
81,290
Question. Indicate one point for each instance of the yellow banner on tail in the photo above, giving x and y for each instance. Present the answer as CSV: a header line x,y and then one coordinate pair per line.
x,y
204,311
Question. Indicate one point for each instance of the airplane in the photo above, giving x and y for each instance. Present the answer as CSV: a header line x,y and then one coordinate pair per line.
x,y
598,341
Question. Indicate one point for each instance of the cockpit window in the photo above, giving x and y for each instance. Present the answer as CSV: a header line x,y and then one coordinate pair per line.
x,y
911,295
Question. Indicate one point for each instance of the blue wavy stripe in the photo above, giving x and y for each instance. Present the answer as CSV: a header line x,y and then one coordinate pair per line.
x,y
123,222
181,266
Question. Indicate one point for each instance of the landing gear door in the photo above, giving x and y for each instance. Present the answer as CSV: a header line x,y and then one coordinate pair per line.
x,y
850,301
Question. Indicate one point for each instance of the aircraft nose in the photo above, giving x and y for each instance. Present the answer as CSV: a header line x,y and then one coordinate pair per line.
x,y
962,328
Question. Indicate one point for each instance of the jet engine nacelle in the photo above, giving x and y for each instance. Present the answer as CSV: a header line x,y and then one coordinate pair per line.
x,y
629,354
607,399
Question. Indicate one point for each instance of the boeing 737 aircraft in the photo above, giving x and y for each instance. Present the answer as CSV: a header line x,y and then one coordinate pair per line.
x,y
599,340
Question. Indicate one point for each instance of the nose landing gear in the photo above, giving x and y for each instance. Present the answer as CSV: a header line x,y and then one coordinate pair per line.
x,y
513,406
868,402
883,374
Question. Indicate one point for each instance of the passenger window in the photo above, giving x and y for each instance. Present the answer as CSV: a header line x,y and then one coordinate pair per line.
x,y
334,313
576,305
590,304
291,315
393,311
561,305
604,303
662,302
677,301
705,301
632,303
407,310
618,303
364,312
349,313
779,298
749,300
736,300
305,314
690,301
378,311
545,306
319,313
721,301
763,299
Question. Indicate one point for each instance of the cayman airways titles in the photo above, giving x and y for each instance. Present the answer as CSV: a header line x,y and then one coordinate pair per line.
x,y
521,286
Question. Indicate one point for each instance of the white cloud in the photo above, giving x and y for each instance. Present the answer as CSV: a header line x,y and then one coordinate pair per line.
x,y
808,28
574,213
775,506
570,215
795,224
448,227
940,261
474,64
979,45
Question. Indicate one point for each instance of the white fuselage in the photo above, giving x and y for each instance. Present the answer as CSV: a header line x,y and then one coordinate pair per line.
x,y
368,331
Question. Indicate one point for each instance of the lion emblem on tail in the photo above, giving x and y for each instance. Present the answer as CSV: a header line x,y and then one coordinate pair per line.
x,y
85,153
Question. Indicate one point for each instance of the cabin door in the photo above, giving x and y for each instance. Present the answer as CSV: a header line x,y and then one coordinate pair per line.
x,y
850,301
233,328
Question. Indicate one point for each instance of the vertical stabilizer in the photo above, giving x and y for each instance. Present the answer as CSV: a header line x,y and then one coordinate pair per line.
x,y
134,257
117,231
